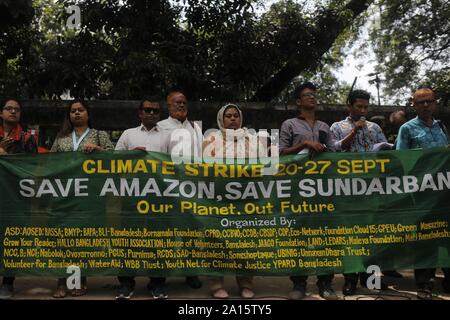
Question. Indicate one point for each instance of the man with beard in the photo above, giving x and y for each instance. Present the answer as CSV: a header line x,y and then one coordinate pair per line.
x,y
183,140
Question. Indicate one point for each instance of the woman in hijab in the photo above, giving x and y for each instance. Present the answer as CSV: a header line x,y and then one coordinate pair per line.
x,y
232,140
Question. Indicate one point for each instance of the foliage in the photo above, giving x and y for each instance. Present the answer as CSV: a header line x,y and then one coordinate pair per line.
x,y
413,45
214,50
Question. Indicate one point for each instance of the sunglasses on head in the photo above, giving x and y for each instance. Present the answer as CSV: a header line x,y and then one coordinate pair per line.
x,y
151,110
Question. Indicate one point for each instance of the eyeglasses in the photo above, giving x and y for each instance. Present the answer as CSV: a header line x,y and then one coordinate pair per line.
x,y
428,102
11,109
151,110
309,94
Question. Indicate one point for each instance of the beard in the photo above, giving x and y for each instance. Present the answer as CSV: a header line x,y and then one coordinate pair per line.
x,y
179,114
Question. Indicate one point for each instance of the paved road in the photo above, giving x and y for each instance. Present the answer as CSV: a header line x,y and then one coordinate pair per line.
x,y
274,288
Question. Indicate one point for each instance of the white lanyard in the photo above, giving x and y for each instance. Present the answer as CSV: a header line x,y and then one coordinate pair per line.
x,y
76,143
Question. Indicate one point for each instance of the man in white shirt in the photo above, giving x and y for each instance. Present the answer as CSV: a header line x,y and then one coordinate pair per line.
x,y
145,137
183,138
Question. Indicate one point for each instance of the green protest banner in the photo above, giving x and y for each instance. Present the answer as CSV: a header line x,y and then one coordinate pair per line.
x,y
136,213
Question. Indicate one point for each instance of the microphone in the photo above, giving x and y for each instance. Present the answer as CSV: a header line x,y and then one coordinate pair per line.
x,y
362,132
363,119
323,138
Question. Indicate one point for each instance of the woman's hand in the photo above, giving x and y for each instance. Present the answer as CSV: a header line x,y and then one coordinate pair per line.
x,y
90,147
5,143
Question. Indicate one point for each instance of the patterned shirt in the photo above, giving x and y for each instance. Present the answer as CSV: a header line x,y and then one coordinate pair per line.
x,y
99,138
24,142
415,134
297,130
364,139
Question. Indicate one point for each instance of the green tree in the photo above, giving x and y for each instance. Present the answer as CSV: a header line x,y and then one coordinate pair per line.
x,y
214,50
413,45
15,18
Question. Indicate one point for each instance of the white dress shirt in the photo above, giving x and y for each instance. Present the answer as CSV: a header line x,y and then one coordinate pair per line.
x,y
179,135
151,140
